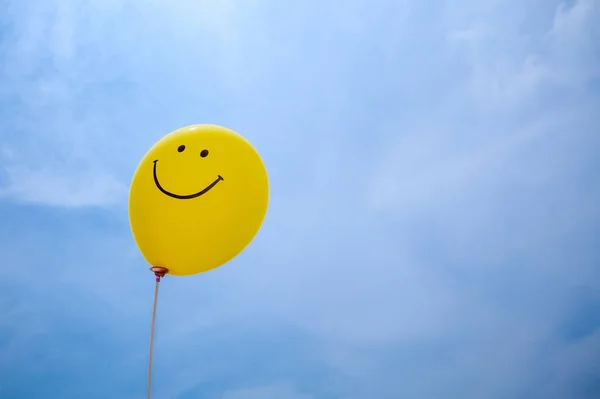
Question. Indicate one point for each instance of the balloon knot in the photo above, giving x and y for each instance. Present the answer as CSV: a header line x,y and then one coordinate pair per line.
x,y
159,272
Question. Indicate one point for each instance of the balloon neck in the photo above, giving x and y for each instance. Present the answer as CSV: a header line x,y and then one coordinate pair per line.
x,y
159,272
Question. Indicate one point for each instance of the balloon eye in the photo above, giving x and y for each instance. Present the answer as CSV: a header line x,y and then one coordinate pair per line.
x,y
204,153
181,148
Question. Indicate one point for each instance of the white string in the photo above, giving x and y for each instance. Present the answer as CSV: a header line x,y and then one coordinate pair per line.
x,y
152,338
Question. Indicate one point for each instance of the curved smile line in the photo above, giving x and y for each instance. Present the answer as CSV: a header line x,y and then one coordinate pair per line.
x,y
190,196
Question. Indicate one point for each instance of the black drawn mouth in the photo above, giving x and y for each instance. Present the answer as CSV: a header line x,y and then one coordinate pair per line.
x,y
188,196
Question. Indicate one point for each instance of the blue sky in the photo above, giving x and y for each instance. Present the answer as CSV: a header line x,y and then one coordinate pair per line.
x,y
433,231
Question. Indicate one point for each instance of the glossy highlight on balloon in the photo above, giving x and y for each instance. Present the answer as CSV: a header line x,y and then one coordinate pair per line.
x,y
197,199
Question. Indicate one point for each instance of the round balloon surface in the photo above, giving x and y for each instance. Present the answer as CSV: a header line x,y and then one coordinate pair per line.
x,y
197,199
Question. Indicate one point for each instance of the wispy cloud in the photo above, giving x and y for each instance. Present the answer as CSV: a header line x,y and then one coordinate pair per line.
x,y
54,187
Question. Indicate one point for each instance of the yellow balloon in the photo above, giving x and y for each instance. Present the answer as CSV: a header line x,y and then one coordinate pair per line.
x,y
197,199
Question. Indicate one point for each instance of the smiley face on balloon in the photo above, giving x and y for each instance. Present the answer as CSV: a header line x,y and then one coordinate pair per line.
x,y
197,199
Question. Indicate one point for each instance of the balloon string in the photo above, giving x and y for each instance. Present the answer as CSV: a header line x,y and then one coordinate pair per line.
x,y
152,338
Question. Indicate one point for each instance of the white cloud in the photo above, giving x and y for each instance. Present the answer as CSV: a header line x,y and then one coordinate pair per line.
x,y
574,37
54,187
512,66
